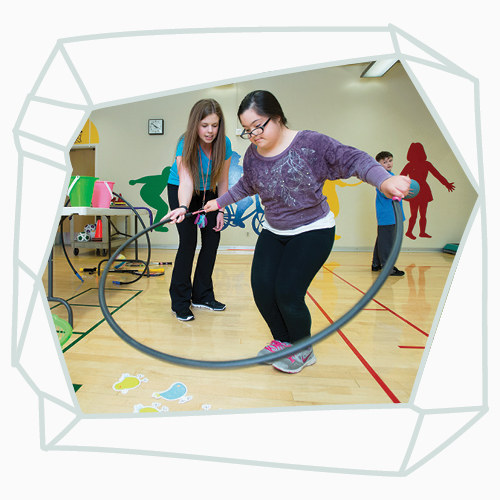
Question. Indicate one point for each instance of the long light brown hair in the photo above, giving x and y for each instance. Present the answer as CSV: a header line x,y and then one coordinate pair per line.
x,y
191,151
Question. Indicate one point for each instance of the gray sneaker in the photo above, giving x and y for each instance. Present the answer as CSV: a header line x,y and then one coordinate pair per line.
x,y
273,346
296,362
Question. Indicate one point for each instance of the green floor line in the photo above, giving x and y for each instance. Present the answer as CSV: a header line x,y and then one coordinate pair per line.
x,y
90,305
120,289
117,308
93,288
82,336
74,297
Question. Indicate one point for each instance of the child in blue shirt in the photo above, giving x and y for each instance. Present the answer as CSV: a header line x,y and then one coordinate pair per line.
x,y
386,220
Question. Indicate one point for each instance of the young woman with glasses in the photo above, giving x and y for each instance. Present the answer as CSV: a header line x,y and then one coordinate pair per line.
x,y
287,169
199,174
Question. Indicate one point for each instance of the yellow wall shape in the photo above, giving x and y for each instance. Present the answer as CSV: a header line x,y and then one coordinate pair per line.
x,y
88,135
94,135
329,190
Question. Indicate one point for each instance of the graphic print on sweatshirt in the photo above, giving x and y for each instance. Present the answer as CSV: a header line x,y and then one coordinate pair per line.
x,y
287,178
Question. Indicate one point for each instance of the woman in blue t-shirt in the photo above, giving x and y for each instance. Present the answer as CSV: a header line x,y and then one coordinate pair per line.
x,y
199,174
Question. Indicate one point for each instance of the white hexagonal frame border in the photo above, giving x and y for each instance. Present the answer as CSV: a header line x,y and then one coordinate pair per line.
x,y
86,73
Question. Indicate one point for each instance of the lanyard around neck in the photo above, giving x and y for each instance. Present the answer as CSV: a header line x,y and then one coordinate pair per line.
x,y
203,179
201,220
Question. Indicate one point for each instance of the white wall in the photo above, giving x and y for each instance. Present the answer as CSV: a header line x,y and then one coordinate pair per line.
x,y
370,114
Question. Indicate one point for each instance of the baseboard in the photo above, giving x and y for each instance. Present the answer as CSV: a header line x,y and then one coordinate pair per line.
x,y
240,249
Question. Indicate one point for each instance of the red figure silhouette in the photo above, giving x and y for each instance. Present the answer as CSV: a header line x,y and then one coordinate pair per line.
x,y
418,168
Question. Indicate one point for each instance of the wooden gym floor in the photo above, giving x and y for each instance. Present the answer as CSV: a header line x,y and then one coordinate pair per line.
x,y
374,359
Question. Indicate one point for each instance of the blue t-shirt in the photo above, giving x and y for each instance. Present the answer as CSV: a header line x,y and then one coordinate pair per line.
x,y
207,165
385,212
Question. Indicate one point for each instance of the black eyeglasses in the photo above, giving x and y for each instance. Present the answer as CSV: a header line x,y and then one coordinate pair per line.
x,y
256,131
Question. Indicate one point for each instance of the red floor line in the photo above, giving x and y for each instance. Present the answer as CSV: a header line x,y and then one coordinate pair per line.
x,y
364,265
410,347
372,372
380,304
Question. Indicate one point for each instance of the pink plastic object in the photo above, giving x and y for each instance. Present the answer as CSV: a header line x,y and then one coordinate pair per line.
x,y
103,192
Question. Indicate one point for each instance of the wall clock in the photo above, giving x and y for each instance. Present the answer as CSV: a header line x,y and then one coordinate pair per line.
x,y
155,126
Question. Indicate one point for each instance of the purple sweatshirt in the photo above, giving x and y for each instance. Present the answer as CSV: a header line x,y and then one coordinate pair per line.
x,y
290,185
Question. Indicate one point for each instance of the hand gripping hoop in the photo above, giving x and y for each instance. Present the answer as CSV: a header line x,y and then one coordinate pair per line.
x,y
238,363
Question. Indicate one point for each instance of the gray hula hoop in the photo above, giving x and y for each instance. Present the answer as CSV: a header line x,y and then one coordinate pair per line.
x,y
238,363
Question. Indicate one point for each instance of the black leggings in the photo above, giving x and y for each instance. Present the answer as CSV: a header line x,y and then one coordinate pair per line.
x,y
282,270
200,290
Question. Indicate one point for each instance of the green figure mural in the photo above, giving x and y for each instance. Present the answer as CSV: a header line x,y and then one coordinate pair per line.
x,y
154,185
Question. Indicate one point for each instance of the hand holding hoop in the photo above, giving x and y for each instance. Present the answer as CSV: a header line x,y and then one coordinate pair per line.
x,y
176,216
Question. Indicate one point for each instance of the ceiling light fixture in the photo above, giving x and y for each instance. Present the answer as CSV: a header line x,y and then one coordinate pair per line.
x,y
378,68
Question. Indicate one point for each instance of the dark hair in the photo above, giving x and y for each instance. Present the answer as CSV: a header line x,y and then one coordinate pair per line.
x,y
383,155
263,103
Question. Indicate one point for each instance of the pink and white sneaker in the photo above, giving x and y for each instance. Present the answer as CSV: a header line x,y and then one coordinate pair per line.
x,y
296,362
273,346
